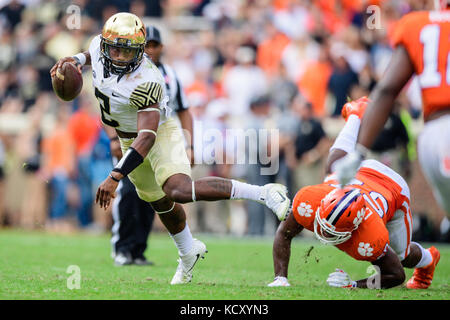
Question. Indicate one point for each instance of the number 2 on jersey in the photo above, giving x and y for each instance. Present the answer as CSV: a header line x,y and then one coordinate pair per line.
x,y
430,76
105,107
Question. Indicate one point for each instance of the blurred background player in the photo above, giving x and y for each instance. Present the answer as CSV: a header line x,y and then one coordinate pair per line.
x,y
421,41
133,217
369,219
177,100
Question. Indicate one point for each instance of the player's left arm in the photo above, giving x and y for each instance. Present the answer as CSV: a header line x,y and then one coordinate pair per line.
x,y
147,125
398,73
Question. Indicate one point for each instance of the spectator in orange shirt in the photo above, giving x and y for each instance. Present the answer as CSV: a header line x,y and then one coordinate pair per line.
x,y
269,52
314,82
59,163
84,127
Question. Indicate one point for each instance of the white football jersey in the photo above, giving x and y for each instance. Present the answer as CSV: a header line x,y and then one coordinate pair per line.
x,y
120,100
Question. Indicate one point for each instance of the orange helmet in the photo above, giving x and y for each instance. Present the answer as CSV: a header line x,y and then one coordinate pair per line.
x,y
340,212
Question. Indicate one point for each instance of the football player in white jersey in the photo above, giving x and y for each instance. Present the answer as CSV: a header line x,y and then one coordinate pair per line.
x,y
132,97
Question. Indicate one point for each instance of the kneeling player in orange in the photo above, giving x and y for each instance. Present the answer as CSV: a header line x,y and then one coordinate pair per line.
x,y
369,219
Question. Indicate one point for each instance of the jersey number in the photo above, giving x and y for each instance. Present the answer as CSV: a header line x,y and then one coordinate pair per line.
x,y
375,199
430,76
372,200
105,107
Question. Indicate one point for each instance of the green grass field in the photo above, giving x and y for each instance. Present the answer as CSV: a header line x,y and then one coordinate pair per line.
x,y
33,265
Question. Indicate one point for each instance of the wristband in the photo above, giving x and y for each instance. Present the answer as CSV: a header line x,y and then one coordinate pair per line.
x,y
116,180
130,161
81,58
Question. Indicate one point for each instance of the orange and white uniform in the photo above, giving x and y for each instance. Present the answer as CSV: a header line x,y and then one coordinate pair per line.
x,y
387,220
425,36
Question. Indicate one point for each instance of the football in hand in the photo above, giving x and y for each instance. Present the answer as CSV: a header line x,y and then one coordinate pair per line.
x,y
67,82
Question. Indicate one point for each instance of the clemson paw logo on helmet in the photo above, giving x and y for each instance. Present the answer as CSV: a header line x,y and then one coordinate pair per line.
x,y
365,249
304,210
359,217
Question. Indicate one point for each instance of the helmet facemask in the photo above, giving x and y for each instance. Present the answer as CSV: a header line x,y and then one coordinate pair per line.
x,y
338,215
327,233
121,67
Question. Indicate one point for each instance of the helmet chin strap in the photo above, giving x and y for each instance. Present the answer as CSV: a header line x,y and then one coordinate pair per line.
x,y
107,71
120,74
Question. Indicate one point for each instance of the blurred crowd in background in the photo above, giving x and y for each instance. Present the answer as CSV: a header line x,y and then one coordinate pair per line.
x,y
288,65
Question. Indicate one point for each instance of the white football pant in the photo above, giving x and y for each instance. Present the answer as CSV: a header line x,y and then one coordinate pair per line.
x,y
434,157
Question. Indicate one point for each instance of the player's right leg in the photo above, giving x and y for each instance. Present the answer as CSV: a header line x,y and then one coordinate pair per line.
x,y
424,262
434,158
411,254
190,250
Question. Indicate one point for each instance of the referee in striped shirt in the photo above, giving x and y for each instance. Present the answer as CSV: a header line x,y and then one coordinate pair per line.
x,y
133,217
177,99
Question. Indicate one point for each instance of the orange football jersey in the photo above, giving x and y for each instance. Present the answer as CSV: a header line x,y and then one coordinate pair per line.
x,y
426,37
384,193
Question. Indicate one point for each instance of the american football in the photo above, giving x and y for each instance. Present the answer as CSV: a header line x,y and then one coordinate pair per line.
x,y
67,82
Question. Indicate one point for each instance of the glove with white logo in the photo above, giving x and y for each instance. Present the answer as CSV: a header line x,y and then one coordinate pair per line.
x,y
340,279
279,282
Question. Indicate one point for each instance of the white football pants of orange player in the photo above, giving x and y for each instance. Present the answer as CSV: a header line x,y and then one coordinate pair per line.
x,y
434,157
400,225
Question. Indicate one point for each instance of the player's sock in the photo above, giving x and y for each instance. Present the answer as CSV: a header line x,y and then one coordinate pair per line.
x,y
183,240
242,190
346,139
426,257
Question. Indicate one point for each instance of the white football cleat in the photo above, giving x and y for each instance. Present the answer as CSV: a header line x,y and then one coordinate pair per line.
x,y
275,197
187,262
279,282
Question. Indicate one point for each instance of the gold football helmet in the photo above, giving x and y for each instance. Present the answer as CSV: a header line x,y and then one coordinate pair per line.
x,y
122,43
